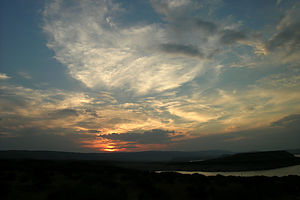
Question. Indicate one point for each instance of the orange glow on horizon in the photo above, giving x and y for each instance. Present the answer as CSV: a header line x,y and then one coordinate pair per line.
x,y
104,145
110,148
115,146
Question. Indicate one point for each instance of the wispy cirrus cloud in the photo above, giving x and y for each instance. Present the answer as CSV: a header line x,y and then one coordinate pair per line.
x,y
99,51
143,58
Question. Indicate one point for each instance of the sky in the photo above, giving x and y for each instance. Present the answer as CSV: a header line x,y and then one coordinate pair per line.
x,y
132,75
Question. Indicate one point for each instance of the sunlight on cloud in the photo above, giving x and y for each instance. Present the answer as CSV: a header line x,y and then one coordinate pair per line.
x,y
111,145
199,117
100,52
79,115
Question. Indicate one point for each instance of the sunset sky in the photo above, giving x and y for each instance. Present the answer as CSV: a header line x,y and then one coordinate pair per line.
x,y
136,75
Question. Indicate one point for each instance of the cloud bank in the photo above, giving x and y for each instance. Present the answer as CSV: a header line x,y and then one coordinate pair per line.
x,y
154,136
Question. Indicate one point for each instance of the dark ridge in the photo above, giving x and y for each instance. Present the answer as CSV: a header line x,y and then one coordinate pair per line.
x,y
267,156
144,156
169,160
294,151
246,162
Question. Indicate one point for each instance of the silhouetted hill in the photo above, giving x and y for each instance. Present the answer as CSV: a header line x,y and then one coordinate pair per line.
x,y
144,156
237,162
294,151
245,162
266,156
170,160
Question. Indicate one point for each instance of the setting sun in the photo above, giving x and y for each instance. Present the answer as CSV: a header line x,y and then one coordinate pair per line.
x,y
110,148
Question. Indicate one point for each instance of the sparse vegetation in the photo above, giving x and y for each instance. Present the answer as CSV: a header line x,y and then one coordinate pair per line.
x,y
32,179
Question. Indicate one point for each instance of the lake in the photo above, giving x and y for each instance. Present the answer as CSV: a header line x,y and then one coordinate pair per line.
x,y
284,171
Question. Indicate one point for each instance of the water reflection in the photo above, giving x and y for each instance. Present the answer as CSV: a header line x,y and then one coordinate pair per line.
x,y
285,171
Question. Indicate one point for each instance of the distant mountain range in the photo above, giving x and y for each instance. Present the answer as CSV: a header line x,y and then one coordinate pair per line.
x,y
251,161
294,151
247,161
215,160
144,156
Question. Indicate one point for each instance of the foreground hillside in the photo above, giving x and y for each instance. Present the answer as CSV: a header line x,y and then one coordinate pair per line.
x,y
46,180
